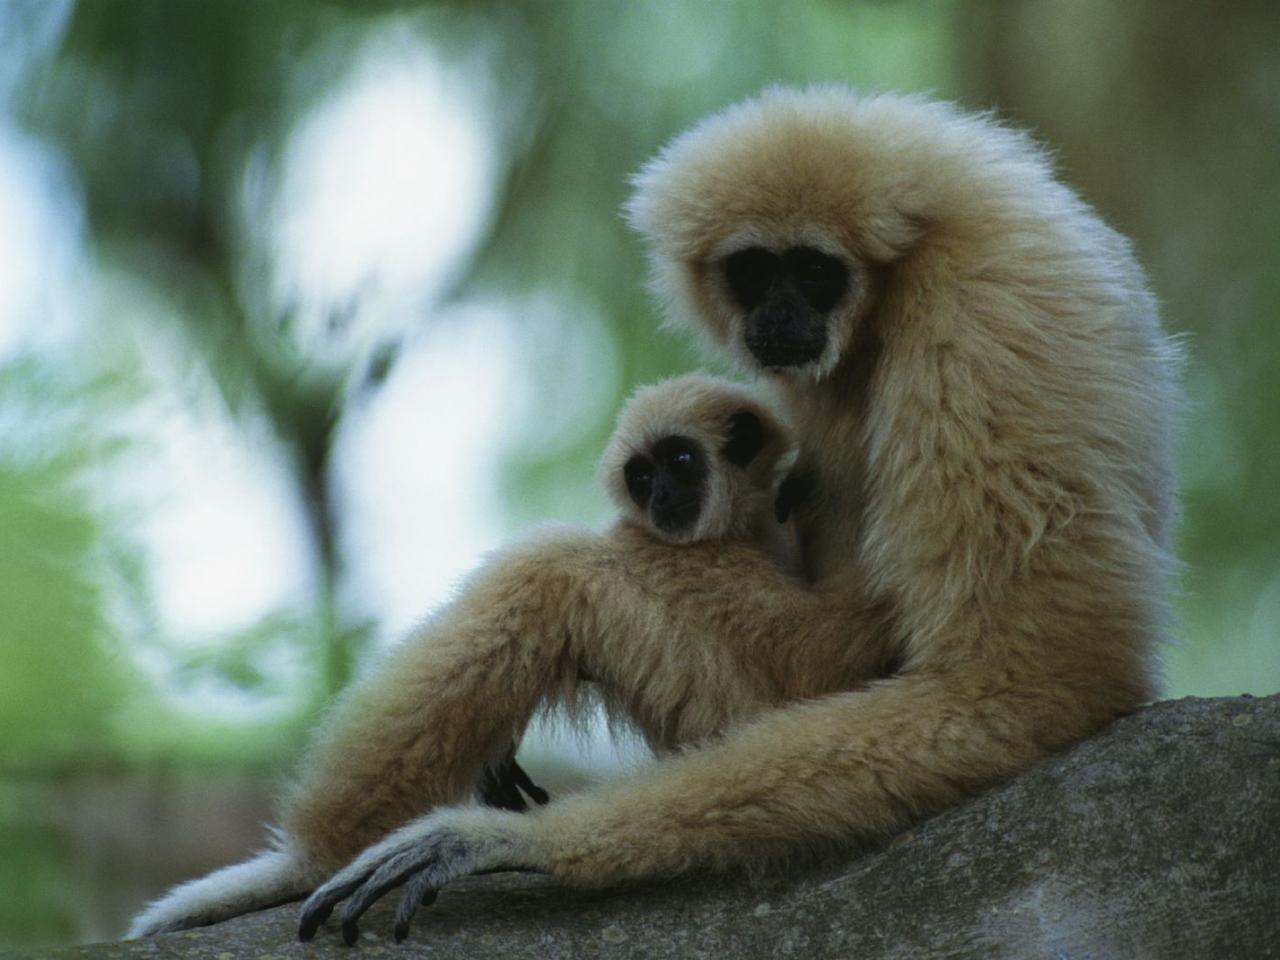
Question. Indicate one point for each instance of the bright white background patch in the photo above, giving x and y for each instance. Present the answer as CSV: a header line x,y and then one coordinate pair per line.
x,y
385,189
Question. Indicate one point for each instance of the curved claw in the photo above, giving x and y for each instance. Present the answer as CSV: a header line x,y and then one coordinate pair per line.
x,y
426,861
390,875
321,903
421,891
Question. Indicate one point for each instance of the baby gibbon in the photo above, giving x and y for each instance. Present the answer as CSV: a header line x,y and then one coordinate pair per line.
x,y
982,396
700,458
695,457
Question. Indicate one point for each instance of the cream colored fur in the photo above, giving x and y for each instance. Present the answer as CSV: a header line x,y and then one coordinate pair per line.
x,y
989,430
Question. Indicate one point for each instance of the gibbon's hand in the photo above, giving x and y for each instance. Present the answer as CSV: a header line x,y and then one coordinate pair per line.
x,y
422,856
505,785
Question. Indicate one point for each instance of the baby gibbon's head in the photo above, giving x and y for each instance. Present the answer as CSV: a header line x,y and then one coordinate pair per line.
x,y
696,458
773,225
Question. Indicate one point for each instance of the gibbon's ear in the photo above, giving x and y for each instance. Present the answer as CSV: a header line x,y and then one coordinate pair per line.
x,y
746,438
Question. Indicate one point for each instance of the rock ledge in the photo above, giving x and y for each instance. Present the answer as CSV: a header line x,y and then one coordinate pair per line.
x,y
1156,839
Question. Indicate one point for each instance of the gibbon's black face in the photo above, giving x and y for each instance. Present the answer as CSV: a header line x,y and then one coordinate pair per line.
x,y
669,480
786,298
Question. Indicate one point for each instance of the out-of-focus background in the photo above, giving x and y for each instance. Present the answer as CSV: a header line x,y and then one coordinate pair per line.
x,y
304,305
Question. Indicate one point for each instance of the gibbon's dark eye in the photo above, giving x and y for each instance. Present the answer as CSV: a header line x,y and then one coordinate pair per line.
x,y
638,474
821,279
751,273
680,456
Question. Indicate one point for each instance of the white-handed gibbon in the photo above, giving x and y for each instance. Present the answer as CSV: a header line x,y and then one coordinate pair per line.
x,y
982,396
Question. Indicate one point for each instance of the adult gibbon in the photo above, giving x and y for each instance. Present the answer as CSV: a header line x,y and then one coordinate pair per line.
x,y
982,396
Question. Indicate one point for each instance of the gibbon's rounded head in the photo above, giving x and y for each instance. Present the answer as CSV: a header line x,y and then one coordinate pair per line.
x,y
696,458
770,224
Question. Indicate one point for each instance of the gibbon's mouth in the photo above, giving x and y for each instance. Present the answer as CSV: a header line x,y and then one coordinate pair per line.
x,y
778,353
785,338
677,515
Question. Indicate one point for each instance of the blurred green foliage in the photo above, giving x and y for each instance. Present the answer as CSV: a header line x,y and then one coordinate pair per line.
x,y
164,113
60,674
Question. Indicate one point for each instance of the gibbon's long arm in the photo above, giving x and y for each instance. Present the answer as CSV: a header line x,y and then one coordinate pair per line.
x,y
673,635
848,768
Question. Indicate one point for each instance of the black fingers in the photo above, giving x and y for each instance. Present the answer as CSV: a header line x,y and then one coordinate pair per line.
x,y
421,890
535,792
425,864
497,788
321,903
389,876
500,786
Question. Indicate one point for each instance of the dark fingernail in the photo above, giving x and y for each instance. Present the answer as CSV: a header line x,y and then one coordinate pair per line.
x,y
402,931
350,933
429,898
311,921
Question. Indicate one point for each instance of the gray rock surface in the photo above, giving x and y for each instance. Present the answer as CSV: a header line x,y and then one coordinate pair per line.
x,y
1159,838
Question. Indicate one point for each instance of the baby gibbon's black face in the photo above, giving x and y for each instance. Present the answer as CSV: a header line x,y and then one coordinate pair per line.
x,y
785,298
669,480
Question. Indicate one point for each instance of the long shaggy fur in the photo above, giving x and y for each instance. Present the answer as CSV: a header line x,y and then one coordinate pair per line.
x,y
989,429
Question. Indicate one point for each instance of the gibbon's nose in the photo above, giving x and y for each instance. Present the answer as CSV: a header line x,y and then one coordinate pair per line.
x,y
674,507
785,331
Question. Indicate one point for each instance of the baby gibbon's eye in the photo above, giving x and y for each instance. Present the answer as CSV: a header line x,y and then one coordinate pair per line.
x,y
680,459
821,279
678,456
751,272
638,474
